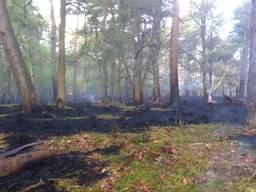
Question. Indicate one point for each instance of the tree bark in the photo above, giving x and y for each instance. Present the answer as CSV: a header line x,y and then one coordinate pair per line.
x,y
156,49
53,53
251,90
62,59
244,65
17,63
174,55
42,81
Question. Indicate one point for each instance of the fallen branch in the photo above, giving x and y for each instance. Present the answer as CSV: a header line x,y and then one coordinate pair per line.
x,y
14,164
15,151
219,83
30,188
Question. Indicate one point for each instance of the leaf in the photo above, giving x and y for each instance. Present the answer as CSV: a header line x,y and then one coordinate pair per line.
x,y
169,150
248,132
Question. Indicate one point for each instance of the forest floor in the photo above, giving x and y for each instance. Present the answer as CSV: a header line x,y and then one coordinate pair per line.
x,y
124,148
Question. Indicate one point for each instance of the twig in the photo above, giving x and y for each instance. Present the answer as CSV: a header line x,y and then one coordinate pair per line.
x,y
27,189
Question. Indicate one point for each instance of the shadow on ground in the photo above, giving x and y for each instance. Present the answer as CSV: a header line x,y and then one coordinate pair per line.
x,y
76,165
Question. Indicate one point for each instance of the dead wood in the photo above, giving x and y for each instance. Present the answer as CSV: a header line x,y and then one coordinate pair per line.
x,y
30,188
15,151
14,164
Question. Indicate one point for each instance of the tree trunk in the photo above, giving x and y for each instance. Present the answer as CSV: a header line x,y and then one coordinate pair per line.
x,y
243,66
2,78
251,90
104,98
112,85
119,83
174,55
15,58
210,85
53,53
203,28
126,88
156,48
62,59
105,81
138,87
42,83
84,91
9,80
75,61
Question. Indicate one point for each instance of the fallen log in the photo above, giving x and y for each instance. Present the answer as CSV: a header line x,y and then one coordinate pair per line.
x,y
15,151
14,164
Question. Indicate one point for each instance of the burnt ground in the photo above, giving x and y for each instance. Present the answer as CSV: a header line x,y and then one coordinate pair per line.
x,y
49,121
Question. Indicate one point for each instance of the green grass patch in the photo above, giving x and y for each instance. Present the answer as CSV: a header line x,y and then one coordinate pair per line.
x,y
170,159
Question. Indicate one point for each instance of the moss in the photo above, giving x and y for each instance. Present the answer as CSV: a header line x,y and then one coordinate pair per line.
x,y
159,109
69,185
98,139
126,108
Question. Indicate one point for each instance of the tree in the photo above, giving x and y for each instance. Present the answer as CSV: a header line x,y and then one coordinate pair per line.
x,y
53,53
251,90
61,59
174,58
241,37
155,48
16,60
75,61
103,48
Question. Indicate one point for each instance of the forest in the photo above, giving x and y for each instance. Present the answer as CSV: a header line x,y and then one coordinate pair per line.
x,y
127,96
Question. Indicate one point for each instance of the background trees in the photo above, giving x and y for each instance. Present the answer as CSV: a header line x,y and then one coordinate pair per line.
x,y
16,61
251,91
119,51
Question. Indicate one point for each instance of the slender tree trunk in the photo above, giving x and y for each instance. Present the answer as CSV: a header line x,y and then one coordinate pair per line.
x,y
84,92
53,53
174,55
126,88
251,90
205,68
104,98
15,58
210,86
42,84
243,66
105,81
203,28
75,61
156,49
112,85
61,58
119,83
